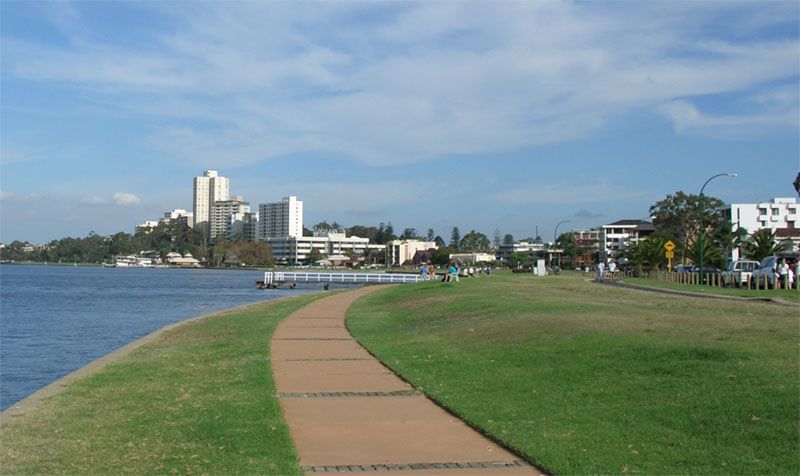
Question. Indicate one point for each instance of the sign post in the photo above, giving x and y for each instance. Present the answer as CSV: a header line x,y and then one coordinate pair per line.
x,y
669,246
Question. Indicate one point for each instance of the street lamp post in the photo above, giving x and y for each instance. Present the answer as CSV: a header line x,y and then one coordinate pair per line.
x,y
555,231
702,211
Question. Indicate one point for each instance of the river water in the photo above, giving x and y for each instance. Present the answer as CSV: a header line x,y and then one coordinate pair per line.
x,y
56,319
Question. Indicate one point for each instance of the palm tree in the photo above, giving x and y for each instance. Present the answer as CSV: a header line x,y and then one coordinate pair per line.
x,y
762,244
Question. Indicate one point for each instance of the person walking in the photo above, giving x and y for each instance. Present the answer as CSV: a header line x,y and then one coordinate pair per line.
x,y
453,272
601,269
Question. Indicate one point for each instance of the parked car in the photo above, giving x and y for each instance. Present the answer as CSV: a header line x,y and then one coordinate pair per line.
x,y
708,271
739,272
766,268
684,269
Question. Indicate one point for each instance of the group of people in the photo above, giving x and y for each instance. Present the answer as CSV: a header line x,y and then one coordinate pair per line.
x,y
785,274
456,269
602,270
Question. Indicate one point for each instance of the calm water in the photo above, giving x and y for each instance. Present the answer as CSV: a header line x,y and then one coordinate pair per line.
x,y
56,319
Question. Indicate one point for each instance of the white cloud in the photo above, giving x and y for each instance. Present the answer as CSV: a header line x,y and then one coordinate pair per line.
x,y
94,201
244,82
685,116
126,199
4,196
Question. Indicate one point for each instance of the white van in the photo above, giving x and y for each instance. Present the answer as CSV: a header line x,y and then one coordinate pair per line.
x,y
739,272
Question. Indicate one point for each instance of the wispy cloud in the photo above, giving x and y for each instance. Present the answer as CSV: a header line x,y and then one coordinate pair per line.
x,y
94,201
254,81
126,199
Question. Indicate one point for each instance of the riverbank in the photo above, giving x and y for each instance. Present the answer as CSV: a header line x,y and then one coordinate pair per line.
x,y
197,397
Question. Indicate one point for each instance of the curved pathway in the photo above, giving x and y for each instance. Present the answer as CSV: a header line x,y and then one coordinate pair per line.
x,y
348,413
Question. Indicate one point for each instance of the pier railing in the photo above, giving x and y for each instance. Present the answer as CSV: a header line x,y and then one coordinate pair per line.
x,y
278,277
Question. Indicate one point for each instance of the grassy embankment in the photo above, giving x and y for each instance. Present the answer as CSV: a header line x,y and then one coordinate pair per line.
x,y
198,400
582,378
787,294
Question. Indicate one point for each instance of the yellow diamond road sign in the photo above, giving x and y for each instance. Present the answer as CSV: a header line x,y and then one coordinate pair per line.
x,y
669,245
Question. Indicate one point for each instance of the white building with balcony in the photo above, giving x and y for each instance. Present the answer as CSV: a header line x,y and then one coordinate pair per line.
x,y
780,215
622,233
220,216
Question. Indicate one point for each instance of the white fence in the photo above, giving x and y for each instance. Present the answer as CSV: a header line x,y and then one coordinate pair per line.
x,y
274,278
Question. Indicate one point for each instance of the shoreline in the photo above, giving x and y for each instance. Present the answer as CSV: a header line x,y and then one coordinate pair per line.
x,y
54,388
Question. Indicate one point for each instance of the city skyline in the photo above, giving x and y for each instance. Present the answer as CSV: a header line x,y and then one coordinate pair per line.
x,y
427,115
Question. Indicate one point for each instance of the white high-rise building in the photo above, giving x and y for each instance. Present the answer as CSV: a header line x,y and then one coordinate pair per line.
x,y
220,219
208,189
281,219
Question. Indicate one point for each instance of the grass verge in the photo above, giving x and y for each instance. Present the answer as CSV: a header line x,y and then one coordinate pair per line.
x,y
787,294
198,400
585,379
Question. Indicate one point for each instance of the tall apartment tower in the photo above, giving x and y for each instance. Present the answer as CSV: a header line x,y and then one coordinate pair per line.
x,y
282,219
208,189
220,217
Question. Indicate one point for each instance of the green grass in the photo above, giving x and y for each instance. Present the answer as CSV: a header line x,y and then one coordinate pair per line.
x,y
788,294
584,379
199,400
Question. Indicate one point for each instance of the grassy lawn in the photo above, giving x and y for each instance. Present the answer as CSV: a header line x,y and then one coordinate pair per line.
x,y
198,401
585,379
788,294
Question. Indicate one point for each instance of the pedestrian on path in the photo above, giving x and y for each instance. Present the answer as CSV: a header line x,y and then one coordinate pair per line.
x,y
601,269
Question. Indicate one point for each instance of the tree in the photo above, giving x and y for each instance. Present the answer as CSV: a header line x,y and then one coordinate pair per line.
x,y
455,238
442,256
797,183
762,244
497,237
314,256
647,254
439,242
508,239
474,242
409,234
517,260
680,215
431,235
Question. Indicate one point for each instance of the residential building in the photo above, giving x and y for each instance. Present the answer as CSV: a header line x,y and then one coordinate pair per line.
x,y
220,216
780,215
208,189
588,241
504,250
533,250
473,258
299,249
146,227
281,219
622,233
178,215
398,252
243,225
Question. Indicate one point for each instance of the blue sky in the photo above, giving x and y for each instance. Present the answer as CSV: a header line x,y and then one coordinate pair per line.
x,y
495,115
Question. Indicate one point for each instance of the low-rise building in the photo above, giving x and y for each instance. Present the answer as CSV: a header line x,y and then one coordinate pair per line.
x,y
300,249
400,252
473,258
178,215
622,233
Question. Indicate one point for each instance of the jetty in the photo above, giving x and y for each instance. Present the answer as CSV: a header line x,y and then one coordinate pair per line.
x,y
273,279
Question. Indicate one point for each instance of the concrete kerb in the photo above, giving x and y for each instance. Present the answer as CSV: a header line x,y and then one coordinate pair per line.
x,y
639,287
28,403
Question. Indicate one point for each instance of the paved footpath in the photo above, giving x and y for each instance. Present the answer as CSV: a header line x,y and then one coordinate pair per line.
x,y
348,413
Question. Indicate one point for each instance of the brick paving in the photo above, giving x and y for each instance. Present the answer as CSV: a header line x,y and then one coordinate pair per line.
x,y
348,413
